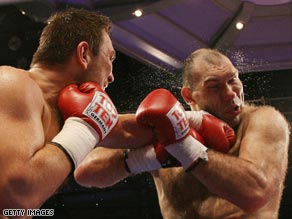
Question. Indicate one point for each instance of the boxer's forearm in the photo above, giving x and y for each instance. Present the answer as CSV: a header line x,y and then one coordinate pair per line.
x,y
128,134
233,179
103,167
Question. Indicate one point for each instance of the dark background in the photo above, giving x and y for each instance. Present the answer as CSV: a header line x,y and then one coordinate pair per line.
x,y
134,197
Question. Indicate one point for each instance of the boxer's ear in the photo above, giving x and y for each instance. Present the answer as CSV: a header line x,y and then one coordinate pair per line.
x,y
187,96
83,54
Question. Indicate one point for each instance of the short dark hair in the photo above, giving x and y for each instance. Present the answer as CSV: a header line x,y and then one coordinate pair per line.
x,y
65,30
210,56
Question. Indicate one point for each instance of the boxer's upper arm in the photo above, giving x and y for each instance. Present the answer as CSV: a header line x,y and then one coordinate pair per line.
x,y
21,135
265,143
20,113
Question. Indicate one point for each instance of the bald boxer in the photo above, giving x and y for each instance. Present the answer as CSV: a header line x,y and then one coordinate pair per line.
x,y
38,152
244,182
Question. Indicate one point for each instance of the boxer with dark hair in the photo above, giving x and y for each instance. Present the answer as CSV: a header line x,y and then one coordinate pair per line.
x,y
66,81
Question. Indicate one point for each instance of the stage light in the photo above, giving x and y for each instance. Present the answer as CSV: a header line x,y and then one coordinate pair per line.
x,y
138,13
239,25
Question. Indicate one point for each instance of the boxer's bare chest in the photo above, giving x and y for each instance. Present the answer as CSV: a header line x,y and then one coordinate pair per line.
x,y
181,195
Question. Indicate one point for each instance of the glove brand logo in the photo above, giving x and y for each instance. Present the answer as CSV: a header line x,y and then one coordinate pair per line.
x,y
180,124
102,111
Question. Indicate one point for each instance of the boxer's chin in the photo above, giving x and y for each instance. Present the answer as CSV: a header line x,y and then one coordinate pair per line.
x,y
234,121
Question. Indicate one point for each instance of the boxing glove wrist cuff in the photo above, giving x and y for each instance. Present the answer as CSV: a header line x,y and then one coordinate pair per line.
x,y
188,151
67,154
195,118
77,138
142,160
204,158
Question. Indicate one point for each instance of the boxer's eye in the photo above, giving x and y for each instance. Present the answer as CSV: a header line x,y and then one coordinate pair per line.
x,y
112,56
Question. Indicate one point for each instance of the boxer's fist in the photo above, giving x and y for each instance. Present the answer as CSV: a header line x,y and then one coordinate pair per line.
x,y
162,111
217,134
89,117
90,103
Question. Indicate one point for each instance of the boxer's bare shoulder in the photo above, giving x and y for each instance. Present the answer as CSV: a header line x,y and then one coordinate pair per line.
x,y
263,115
17,86
266,126
21,98
11,73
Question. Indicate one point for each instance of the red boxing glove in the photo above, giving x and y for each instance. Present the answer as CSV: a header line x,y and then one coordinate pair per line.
x,y
90,103
161,110
217,134
89,117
